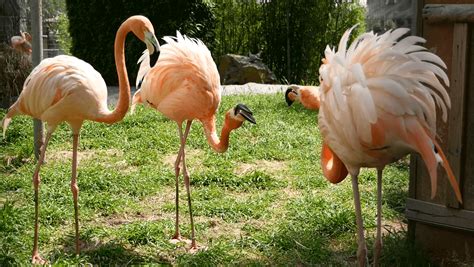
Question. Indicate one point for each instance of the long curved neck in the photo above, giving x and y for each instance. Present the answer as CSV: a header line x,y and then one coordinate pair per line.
x,y
124,86
218,144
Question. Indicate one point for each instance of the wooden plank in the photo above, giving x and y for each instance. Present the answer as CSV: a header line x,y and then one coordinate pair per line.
x,y
439,13
468,176
435,214
456,115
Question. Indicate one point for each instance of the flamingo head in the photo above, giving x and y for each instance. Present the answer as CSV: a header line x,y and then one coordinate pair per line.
x,y
143,29
292,94
236,116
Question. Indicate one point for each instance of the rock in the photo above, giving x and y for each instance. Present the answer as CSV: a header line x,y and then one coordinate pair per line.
x,y
237,69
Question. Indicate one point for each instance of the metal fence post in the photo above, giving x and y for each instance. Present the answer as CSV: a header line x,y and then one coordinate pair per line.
x,y
37,47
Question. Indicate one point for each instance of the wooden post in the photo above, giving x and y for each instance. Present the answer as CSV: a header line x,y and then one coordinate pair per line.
x,y
457,113
37,47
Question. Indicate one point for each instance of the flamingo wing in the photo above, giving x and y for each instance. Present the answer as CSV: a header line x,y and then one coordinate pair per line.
x,y
183,63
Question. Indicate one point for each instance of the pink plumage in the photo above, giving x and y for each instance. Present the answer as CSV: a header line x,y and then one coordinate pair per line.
x,y
378,103
184,85
68,89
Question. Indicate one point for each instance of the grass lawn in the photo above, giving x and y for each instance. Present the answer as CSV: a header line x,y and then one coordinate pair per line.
x,y
263,202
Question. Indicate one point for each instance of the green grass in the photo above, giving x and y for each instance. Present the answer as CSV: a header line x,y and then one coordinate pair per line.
x,y
263,202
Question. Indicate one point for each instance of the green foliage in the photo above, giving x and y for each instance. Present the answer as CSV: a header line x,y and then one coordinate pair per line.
x,y
93,25
238,27
297,31
64,38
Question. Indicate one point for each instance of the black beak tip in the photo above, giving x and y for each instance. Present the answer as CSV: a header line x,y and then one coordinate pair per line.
x,y
245,112
287,98
251,119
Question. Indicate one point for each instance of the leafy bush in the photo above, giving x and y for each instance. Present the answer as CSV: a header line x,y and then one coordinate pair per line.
x,y
15,68
94,23
297,31
238,27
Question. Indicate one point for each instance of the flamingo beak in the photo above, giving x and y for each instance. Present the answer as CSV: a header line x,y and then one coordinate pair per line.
x,y
151,42
245,112
289,100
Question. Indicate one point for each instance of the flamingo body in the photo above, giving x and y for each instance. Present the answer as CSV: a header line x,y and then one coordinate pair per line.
x,y
308,96
378,103
63,88
67,89
22,43
184,85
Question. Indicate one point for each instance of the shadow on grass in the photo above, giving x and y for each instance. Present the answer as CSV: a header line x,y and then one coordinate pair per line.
x,y
111,253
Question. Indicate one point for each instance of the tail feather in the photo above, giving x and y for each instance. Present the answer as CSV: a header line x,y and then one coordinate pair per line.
x,y
13,111
423,141
449,171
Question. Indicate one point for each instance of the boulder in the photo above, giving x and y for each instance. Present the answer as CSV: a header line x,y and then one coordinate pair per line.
x,y
237,69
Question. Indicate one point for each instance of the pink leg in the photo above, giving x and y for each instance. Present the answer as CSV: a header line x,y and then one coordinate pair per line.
x,y
362,248
75,188
177,235
194,246
378,240
36,258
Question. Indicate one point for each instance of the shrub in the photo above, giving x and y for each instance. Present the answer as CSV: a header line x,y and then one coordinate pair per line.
x,y
93,25
297,31
15,68
238,27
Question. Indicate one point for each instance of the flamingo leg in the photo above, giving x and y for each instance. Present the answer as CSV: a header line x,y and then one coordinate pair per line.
x,y
378,240
177,236
362,248
194,246
75,188
36,258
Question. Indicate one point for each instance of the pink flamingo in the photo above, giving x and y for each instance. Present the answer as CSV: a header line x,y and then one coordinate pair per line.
x,y
184,85
378,102
308,96
67,89
22,43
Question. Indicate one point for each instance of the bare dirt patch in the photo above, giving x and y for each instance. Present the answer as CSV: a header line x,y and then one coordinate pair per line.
x,y
194,159
64,155
150,209
267,166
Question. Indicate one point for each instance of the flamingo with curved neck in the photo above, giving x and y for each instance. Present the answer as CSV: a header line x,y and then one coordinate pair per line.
x,y
184,85
68,89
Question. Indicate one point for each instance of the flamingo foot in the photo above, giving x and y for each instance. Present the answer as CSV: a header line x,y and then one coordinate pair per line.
x,y
362,256
37,260
196,248
377,252
177,238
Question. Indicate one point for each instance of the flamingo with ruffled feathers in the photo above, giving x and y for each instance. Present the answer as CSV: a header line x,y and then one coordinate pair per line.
x,y
308,96
378,104
68,89
184,85
22,43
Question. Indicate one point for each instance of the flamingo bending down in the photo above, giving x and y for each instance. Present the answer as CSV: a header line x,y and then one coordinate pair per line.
x,y
184,85
22,43
378,102
308,96
67,89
